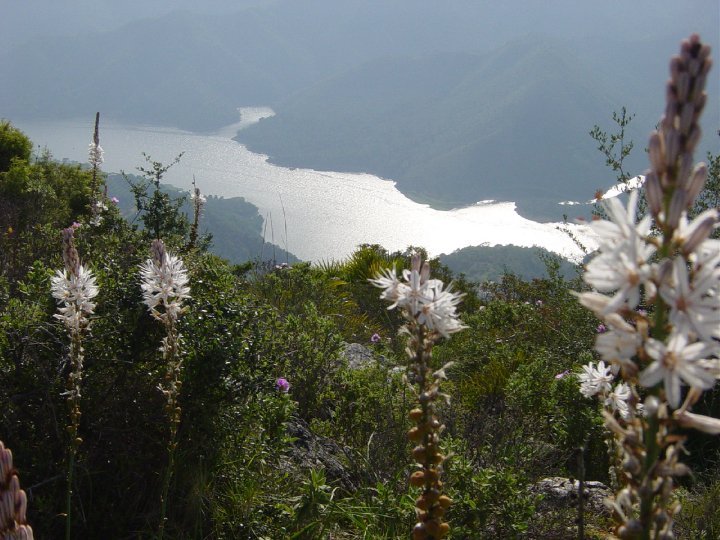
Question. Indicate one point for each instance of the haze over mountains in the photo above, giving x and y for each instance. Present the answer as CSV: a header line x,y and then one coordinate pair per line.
x,y
457,101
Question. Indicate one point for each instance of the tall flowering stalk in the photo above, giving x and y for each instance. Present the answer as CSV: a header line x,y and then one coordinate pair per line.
x,y
13,501
74,288
164,288
674,268
429,310
198,201
95,159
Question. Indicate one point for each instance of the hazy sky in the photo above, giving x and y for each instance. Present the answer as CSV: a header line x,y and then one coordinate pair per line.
x,y
24,19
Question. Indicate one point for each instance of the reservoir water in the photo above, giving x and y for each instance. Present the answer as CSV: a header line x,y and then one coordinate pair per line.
x,y
326,214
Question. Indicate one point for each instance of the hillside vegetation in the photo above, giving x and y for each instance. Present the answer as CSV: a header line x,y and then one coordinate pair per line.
x,y
233,226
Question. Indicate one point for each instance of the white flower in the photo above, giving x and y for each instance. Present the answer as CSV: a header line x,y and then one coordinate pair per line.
x,y
393,288
95,154
418,290
694,305
165,285
675,363
197,195
621,271
595,380
439,314
622,265
421,299
706,424
75,292
617,400
621,226
620,343
692,235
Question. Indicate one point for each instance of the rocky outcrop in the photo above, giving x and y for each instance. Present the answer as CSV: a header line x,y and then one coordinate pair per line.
x,y
311,451
560,493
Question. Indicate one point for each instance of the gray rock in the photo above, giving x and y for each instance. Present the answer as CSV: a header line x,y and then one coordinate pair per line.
x,y
312,451
559,493
357,356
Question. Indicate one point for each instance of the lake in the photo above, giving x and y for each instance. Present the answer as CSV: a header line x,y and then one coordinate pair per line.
x,y
317,215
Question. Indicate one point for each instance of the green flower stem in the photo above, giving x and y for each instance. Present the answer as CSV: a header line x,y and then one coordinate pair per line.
x,y
73,400
68,501
652,426
172,378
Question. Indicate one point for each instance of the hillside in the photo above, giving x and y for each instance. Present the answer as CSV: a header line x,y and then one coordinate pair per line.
x,y
456,128
491,263
450,127
234,224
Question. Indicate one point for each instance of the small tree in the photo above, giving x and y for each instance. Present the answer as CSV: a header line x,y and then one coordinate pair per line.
x,y
13,144
158,211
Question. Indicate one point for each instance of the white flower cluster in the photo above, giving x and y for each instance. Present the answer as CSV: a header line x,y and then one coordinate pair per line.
x,y
95,155
671,265
689,284
164,284
423,299
597,381
75,292
196,195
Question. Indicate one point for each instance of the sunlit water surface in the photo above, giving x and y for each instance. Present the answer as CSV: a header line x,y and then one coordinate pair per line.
x,y
326,214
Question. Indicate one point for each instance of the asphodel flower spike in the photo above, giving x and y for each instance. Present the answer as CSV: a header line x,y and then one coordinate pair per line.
x,y
676,274
164,288
430,312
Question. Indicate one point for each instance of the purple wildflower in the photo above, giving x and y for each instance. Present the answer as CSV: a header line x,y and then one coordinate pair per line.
x,y
375,338
601,328
282,385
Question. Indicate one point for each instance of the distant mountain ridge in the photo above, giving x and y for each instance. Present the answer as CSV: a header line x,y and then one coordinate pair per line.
x,y
452,128
453,100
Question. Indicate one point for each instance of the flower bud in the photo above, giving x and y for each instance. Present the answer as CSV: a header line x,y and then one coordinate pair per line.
x,y
432,495
677,207
701,232
631,464
696,182
433,528
672,147
417,479
652,404
655,153
432,475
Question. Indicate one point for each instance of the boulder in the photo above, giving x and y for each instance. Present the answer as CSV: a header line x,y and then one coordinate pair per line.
x,y
559,493
312,451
